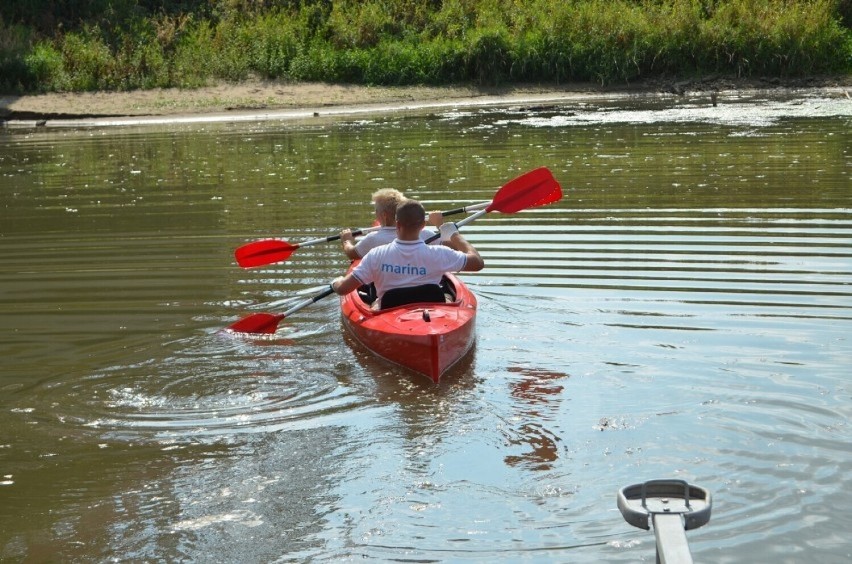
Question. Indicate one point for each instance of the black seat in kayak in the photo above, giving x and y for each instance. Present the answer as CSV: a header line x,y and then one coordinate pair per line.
x,y
431,293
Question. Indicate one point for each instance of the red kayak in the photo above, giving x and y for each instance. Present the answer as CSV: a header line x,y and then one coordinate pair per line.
x,y
428,338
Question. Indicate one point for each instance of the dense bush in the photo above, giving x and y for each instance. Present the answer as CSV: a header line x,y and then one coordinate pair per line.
x,y
126,44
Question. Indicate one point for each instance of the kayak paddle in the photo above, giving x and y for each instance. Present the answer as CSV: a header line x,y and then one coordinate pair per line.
x,y
533,189
513,194
270,251
268,322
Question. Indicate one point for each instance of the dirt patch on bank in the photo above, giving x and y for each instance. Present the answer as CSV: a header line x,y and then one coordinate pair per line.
x,y
258,96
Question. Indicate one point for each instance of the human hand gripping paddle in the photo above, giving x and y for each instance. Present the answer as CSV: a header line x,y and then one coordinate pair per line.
x,y
533,189
270,251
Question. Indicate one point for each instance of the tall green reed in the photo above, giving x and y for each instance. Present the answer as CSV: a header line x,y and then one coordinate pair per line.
x,y
427,42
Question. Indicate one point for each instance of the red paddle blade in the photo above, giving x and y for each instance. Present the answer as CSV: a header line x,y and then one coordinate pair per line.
x,y
554,196
265,323
260,253
535,188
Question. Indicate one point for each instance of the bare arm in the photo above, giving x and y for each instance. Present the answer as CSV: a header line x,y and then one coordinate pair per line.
x,y
435,218
349,244
474,260
342,285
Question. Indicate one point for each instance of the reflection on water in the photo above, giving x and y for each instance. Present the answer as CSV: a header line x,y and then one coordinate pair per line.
x,y
538,396
683,312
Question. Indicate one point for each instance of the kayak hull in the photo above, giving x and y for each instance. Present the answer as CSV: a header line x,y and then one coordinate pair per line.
x,y
427,338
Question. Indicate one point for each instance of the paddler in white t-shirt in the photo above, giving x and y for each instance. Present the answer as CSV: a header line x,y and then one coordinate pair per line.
x,y
385,201
408,261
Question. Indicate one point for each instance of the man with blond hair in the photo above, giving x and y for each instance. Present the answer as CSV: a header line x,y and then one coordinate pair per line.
x,y
385,201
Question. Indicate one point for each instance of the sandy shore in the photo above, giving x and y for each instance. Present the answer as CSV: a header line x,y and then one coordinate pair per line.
x,y
259,99
248,96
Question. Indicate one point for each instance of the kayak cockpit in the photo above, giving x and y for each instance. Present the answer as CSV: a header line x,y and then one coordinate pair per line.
x,y
442,293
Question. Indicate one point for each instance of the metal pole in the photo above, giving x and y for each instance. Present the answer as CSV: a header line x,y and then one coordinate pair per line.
x,y
672,547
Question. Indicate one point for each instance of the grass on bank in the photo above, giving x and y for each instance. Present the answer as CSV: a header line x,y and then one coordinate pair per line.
x,y
426,42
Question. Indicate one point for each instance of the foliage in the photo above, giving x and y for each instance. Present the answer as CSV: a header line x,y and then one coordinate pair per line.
x,y
123,44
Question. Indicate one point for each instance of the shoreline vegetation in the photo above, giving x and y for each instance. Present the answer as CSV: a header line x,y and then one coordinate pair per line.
x,y
155,57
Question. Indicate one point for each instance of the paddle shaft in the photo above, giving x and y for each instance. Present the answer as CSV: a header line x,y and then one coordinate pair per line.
x,y
366,230
357,232
305,303
465,221
330,238
465,209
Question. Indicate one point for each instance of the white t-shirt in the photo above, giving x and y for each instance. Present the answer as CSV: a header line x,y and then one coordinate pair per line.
x,y
402,264
381,237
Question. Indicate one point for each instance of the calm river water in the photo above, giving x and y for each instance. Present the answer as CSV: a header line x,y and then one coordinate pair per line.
x,y
684,312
